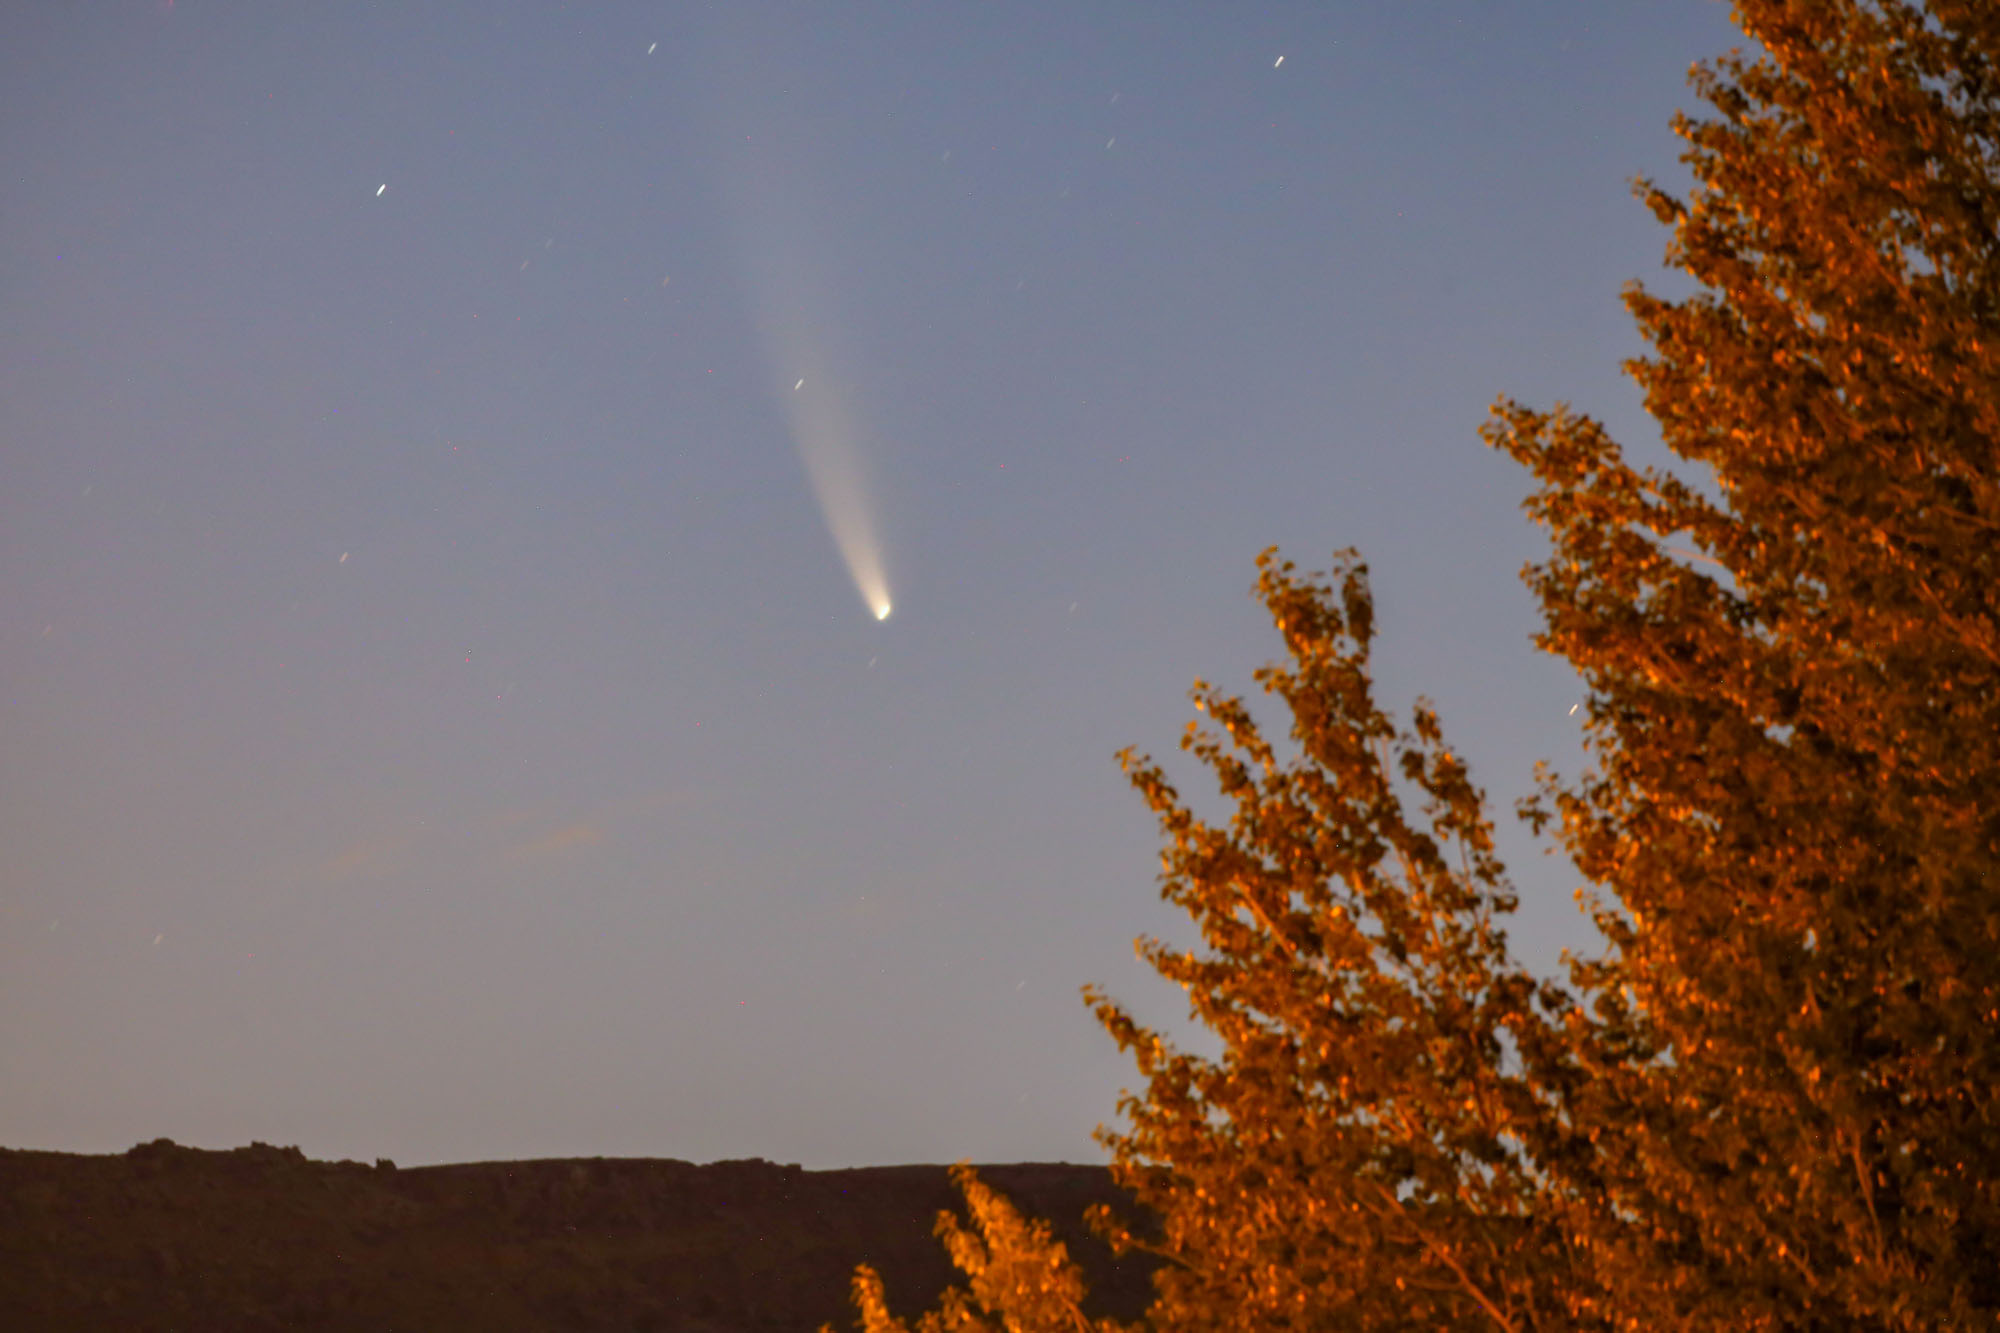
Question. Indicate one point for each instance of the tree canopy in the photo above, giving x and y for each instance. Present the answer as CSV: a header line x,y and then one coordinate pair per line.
x,y
1772,1101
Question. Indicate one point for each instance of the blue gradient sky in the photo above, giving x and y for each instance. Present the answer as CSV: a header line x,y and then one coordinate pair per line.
x,y
435,721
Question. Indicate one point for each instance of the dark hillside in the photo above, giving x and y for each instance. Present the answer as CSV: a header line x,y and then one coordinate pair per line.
x,y
260,1238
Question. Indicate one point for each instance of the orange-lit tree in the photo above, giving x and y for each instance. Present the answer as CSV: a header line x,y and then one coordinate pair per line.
x,y
1773,1102
1373,1148
1796,800
1021,1278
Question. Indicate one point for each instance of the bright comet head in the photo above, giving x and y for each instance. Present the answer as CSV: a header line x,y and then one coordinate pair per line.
x,y
882,610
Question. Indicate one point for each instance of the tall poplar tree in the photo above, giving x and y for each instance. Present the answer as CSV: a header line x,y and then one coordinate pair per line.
x,y
1773,1101
1796,795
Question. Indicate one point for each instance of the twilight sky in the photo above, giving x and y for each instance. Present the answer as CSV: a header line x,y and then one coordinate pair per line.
x,y
438,718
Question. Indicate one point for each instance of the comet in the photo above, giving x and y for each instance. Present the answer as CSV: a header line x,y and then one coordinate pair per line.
x,y
806,332
823,431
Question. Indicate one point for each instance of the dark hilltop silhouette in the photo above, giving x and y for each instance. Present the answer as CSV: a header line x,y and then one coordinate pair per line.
x,y
261,1238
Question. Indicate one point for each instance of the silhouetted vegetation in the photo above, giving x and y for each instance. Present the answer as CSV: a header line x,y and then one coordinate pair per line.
x,y
1770,1102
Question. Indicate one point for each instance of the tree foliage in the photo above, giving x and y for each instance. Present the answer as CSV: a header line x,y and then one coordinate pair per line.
x,y
1364,1153
1020,1278
1796,799
1770,1102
